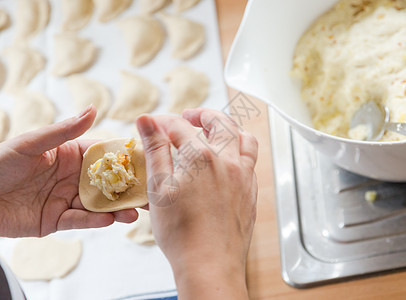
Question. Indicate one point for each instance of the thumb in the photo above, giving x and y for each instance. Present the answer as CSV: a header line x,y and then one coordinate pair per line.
x,y
49,137
156,146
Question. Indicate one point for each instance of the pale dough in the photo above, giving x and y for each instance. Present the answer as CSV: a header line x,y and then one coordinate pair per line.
x,y
98,134
45,258
187,88
72,54
93,199
86,91
23,64
4,20
32,110
76,14
4,125
32,16
136,95
144,37
186,36
106,10
141,233
152,6
182,5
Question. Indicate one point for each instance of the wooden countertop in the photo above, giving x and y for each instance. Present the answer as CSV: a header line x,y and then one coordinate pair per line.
x,y
263,269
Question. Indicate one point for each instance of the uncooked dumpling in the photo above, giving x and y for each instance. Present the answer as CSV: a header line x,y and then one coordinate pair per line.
x,y
152,6
76,14
107,10
32,16
141,233
86,91
187,88
93,198
98,134
144,37
72,54
181,5
23,64
45,258
136,96
4,20
186,36
32,110
4,125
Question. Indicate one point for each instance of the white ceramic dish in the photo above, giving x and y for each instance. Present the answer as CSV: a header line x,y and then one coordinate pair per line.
x,y
259,64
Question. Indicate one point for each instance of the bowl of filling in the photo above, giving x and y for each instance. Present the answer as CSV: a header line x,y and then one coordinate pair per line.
x,y
318,63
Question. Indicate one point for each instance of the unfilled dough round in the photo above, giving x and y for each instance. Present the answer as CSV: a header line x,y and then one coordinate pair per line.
x,y
45,258
93,199
141,233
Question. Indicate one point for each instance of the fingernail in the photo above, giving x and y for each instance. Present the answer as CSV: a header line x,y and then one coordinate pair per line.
x,y
85,111
146,125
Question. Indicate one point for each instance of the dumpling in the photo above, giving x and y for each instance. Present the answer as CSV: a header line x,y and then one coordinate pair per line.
x,y
107,10
152,6
4,20
130,158
32,16
186,36
144,37
187,88
136,95
23,64
86,91
31,110
4,125
76,14
181,5
72,54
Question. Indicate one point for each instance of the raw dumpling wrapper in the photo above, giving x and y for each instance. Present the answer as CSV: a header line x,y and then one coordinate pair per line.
x,y
186,36
72,54
32,110
93,198
23,64
32,16
144,37
76,14
107,10
4,20
4,125
152,6
136,96
98,134
187,88
142,231
182,5
86,91
45,258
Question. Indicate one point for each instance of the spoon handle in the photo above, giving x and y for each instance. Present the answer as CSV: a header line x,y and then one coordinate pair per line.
x,y
397,127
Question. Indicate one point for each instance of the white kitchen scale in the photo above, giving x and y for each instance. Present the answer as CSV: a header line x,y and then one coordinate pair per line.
x,y
327,230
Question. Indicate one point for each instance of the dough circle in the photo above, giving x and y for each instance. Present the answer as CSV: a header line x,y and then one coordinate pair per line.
x,y
45,258
93,199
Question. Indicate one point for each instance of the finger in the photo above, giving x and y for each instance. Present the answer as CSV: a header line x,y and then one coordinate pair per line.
x,y
179,131
156,146
80,219
248,150
49,137
223,132
125,216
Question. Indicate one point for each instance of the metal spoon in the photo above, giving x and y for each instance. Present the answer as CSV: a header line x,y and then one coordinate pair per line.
x,y
376,120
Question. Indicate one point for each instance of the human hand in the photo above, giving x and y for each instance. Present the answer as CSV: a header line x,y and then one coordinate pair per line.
x,y
39,177
206,232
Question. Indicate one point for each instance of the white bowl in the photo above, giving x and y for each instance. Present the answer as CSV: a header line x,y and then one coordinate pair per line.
x,y
259,64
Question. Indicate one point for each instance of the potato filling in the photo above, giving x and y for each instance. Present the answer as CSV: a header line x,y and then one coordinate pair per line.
x,y
113,173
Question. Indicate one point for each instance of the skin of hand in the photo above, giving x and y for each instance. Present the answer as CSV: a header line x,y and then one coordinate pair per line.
x,y
39,178
205,227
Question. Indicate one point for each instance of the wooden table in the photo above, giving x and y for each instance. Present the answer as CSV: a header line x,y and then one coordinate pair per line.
x,y
263,269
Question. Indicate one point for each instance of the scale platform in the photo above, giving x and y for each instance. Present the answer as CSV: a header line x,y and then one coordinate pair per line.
x,y
327,230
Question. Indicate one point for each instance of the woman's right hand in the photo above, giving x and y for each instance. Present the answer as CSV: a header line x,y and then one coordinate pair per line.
x,y
203,210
